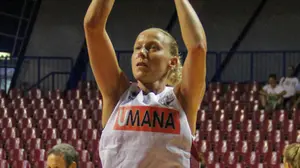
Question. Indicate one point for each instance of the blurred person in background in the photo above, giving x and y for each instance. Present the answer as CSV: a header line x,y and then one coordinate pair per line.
x,y
297,101
289,84
271,95
62,156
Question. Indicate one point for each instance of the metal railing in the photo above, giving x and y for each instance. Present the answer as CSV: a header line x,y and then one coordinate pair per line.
x,y
39,72
244,66
54,72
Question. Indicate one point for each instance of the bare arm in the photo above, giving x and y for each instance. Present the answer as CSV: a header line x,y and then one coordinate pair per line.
x,y
262,92
192,87
110,79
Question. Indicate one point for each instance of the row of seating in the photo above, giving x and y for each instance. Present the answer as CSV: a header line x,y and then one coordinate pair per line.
x,y
50,133
38,164
57,114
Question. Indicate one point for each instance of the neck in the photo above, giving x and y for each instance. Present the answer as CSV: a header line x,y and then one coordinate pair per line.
x,y
156,87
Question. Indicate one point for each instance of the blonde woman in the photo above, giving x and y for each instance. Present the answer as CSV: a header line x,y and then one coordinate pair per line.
x,y
148,124
291,156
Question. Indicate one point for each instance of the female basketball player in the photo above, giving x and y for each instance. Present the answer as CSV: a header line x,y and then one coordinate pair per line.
x,y
291,156
148,124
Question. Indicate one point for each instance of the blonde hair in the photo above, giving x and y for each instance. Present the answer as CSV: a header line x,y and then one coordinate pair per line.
x,y
291,155
175,74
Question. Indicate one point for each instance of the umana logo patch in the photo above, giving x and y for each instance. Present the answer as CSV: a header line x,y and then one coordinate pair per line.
x,y
149,119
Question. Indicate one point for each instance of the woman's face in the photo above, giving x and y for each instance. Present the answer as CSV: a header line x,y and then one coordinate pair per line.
x,y
151,59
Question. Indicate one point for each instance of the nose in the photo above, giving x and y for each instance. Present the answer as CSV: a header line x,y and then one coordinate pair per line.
x,y
143,53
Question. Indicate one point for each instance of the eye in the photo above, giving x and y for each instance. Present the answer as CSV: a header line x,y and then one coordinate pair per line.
x,y
154,47
137,47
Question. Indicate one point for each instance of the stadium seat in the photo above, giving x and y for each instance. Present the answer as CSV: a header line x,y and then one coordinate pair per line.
x,y
17,155
4,164
46,123
26,123
13,143
70,134
85,124
21,163
10,133
50,133
2,154
78,144
30,133
66,124
41,113
7,123
34,93
37,155
32,144
54,94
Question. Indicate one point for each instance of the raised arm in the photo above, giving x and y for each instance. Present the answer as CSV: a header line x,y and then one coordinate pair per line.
x,y
192,87
110,79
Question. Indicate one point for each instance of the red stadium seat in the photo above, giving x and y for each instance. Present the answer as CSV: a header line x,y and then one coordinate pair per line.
x,y
221,146
93,94
4,113
49,143
7,123
59,103
15,94
86,165
5,103
97,115
4,164
10,133
62,114
37,155
46,123
50,133
95,104
39,103
66,124
20,103
38,164
13,143
34,93
231,158
30,133
17,155
92,146
96,158
21,113
78,144
84,156
74,94
21,164
85,124
81,114
232,96
41,113
77,104
32,144
70,134
25,123
215,87
2,154
54,94
91,134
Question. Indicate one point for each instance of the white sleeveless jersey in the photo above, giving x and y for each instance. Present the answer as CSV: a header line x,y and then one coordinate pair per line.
x,y
146,131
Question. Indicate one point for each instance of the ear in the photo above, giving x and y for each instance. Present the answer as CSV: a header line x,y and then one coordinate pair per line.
x,y
174,61
73,165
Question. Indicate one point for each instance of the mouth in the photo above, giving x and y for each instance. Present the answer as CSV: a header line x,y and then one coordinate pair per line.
x,y
141,64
